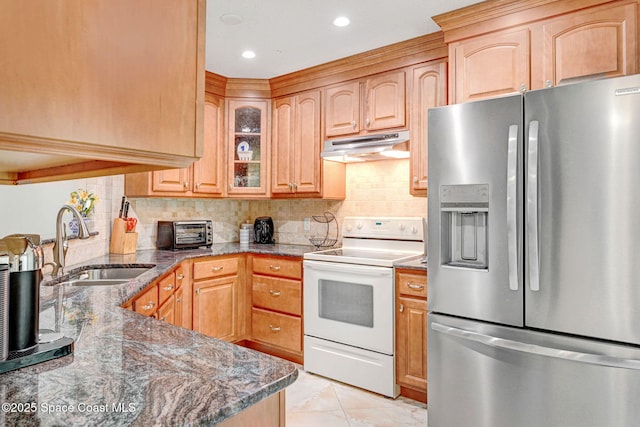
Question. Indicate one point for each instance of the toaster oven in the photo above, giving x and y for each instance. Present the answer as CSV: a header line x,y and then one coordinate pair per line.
x,y
184,234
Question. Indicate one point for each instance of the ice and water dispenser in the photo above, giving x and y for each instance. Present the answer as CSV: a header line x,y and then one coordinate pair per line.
x,y
464,211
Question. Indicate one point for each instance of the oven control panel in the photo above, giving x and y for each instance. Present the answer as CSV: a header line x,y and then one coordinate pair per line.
x,y
399,228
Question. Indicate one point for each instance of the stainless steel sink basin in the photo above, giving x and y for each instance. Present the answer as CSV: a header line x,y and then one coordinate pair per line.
x,y
107,275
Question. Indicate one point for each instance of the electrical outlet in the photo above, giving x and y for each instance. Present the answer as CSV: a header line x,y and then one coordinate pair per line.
x,y
307,224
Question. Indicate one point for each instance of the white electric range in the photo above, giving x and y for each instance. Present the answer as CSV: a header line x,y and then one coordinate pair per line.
x,y
349,296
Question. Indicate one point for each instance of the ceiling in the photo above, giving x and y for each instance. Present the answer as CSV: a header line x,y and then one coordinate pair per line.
x,y
290,35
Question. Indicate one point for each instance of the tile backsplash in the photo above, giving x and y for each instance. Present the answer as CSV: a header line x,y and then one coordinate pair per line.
x,y
373,189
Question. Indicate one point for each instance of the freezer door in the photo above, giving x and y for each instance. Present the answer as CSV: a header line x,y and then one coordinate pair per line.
x,y
475,210
583,209
483,375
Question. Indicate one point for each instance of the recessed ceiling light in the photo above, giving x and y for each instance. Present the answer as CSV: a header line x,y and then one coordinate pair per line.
x,y
341,21
231,19
248,54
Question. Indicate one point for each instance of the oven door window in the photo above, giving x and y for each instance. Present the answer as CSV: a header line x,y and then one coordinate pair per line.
x,y
346,302
187,234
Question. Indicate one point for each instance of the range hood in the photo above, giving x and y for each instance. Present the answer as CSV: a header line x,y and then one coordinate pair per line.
x,y
383,146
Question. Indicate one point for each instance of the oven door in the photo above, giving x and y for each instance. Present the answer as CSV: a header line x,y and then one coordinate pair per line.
x,y
349,304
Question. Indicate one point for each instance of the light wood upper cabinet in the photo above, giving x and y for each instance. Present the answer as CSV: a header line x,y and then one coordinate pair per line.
x,y
385,104
428,90
295,152
367,105
208,172
342,109
248,147
531,46
92,90
593,43
204,178
491,65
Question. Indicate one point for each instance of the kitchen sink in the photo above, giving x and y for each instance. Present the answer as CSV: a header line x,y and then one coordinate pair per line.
x,y
107,275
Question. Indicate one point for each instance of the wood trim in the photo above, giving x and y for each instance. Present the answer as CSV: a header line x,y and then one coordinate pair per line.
x,y
29,144
200,78
88,169
488,15
398,55
248,88
215,83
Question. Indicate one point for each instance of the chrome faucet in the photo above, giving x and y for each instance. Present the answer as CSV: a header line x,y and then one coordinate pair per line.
x,y
61,245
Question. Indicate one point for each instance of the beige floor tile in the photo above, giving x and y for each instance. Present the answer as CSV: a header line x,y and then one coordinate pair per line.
x,y
317,401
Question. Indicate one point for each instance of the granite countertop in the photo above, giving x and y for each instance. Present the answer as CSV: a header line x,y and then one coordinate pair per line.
x,y
412,264
128,369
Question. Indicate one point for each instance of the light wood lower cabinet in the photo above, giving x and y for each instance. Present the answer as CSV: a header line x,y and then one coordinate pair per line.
x,y
411,333
276,305
164,298
210,295
217,298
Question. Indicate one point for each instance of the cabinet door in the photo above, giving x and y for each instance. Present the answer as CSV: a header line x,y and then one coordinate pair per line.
x,y
171,180
411,343
215,307
307,143
342,109
428,90
185,294
385,103
595,43
488,66
179,309
207,172
166,312
248,147
283,149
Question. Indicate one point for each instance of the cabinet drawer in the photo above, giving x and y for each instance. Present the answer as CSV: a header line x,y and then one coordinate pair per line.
x,y
280,267
147,302
166,287
413,284
214,267
277,294
277,329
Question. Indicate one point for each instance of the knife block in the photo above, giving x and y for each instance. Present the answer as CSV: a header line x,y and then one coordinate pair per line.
x,y
122,242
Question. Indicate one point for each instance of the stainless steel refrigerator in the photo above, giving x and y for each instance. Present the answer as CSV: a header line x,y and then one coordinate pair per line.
x,y
534,258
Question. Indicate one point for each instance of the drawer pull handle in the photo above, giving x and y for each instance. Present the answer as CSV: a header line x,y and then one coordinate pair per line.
x,y
180,276
168,288
274,293
149,306
179,300
198,291
274,328
164,319
415,286
274,267
401,308
215,269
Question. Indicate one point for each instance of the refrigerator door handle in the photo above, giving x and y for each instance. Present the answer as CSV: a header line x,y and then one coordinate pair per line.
x,y
532,207
512,203
574,356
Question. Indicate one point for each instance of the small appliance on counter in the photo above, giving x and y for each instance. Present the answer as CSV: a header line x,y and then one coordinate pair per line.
x,y
21,342
192,234
263,230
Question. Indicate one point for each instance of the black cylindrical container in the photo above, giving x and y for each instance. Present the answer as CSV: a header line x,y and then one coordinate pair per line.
x,y
24,309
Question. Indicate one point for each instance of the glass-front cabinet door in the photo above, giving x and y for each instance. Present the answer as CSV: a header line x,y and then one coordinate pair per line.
x,y
248,147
